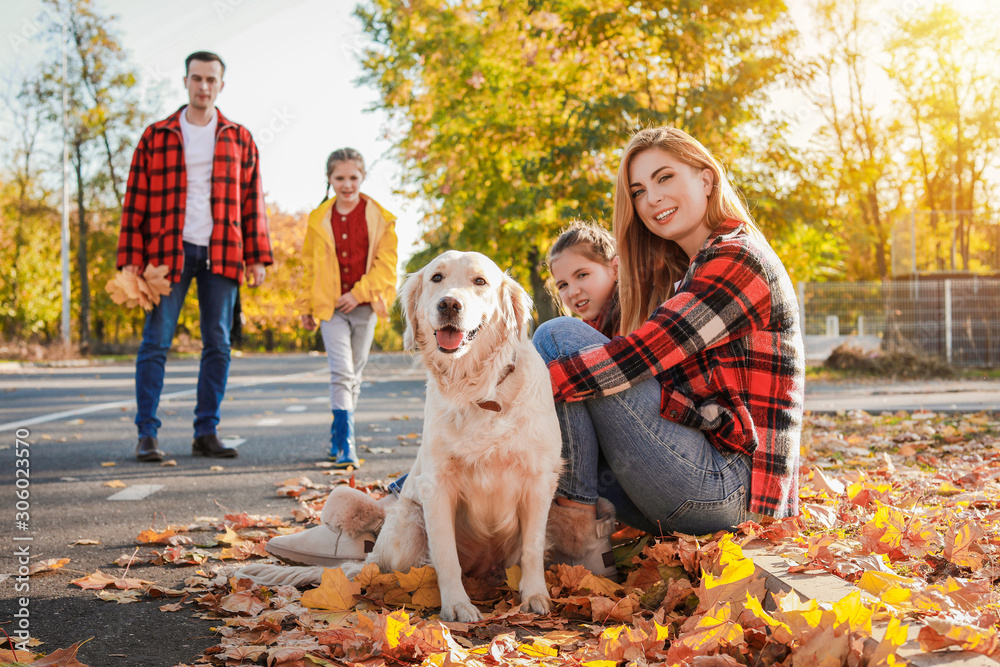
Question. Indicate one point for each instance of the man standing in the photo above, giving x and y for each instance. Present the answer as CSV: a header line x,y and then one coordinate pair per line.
x,y
194,202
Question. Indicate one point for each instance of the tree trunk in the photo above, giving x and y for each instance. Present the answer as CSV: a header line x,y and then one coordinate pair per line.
x,y
81,251
544,303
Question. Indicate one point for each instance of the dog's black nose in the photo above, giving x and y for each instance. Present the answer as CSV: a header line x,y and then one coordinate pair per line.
x,y
449,306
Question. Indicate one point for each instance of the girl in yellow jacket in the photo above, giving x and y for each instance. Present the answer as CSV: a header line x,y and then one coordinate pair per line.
x,y
349,255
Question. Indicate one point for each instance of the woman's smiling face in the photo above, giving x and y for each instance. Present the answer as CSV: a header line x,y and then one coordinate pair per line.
x,y
671,197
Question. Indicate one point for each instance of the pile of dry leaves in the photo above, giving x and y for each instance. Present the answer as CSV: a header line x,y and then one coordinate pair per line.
x,y
904,506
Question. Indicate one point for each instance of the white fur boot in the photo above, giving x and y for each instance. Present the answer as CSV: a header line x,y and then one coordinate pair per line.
x,y
349,524
576,538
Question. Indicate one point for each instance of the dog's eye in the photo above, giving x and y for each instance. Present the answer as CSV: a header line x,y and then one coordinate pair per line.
x,y
436,278
480,281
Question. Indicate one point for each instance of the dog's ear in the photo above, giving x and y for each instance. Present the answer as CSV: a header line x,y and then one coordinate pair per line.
x,y
409,296
516,307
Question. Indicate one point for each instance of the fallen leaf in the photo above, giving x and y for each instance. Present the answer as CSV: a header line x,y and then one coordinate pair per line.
x,y
336,592
46,565
62,657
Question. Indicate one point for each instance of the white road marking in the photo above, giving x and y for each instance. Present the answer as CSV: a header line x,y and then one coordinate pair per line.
x,y
270,421
296,408
233,441
116,405
137,492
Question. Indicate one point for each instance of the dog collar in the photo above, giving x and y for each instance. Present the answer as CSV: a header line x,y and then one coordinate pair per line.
x,y
493,406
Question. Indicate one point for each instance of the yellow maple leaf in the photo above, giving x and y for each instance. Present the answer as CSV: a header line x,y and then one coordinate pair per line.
x,y
536,650
397,626
852,612
421,583
960,545
229,537
336,592
514,577
890,588
736,578
895,636
780,632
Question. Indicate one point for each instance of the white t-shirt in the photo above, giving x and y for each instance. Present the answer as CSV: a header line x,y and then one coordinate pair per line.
x,y
199,153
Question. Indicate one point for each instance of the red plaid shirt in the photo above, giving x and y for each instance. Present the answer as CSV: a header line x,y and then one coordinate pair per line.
x,y
156,196
727,350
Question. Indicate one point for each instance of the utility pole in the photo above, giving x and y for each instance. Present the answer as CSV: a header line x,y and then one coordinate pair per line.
x,y
65,195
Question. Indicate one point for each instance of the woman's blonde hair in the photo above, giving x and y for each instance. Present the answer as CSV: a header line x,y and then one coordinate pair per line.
x,y
649,265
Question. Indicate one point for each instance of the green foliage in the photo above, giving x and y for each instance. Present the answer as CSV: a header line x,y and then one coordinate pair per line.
x,y
508,118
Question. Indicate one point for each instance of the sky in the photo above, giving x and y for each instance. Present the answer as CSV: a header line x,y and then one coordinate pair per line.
x,y
291,71
291,78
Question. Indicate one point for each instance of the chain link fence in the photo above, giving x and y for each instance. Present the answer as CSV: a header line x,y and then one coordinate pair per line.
x,y
954,319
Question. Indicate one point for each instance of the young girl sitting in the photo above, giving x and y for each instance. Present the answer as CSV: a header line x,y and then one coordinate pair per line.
x,y
584,267
349,258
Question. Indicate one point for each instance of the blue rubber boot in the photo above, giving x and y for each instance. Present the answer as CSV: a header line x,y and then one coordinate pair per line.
x,y
342,449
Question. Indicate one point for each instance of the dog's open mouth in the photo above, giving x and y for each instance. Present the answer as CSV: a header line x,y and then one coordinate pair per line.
x,y
450,339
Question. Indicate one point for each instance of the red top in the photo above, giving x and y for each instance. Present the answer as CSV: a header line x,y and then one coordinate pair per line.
x,y
350,238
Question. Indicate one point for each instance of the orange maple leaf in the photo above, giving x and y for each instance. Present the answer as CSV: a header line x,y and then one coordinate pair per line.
x,y
243,602
422,585
46,565
62,657
336,592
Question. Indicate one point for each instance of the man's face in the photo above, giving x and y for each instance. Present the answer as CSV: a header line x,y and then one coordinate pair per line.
x,y
203,83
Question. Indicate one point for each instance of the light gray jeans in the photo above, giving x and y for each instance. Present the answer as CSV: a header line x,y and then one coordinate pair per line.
x,y
348,340
660,476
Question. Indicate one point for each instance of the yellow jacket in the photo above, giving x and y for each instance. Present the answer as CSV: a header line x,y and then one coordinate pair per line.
x,y
322,270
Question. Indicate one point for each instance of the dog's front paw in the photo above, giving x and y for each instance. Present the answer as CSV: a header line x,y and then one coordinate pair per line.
x,y
537,604
463,612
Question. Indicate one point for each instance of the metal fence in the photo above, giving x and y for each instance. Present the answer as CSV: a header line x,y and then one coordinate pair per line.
x,y
956,320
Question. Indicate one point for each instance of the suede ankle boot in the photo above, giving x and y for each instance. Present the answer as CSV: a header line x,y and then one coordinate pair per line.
x,y
349,525
576,538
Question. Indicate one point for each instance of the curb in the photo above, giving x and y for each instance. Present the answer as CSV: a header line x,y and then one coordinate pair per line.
x,y
825,587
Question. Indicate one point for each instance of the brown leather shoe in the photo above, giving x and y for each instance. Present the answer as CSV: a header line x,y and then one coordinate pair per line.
x,y
147,449
210,445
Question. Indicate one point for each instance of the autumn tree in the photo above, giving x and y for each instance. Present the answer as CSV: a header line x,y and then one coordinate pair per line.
x,y
29,288
105,116
858,143
952,102
508,118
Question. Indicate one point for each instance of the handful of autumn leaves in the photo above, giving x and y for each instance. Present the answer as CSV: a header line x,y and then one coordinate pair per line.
x,y
144,290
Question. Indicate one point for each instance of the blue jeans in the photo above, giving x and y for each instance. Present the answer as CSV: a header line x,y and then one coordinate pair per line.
x,y
660,476
216,300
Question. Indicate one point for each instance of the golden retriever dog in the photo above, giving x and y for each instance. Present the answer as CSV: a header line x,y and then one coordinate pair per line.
x,y
478,495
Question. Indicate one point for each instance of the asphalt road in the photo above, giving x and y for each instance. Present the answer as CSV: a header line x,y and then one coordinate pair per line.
x,y
78,420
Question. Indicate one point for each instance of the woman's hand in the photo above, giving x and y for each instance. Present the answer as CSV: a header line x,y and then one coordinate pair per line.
x,y
308,323
346,303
